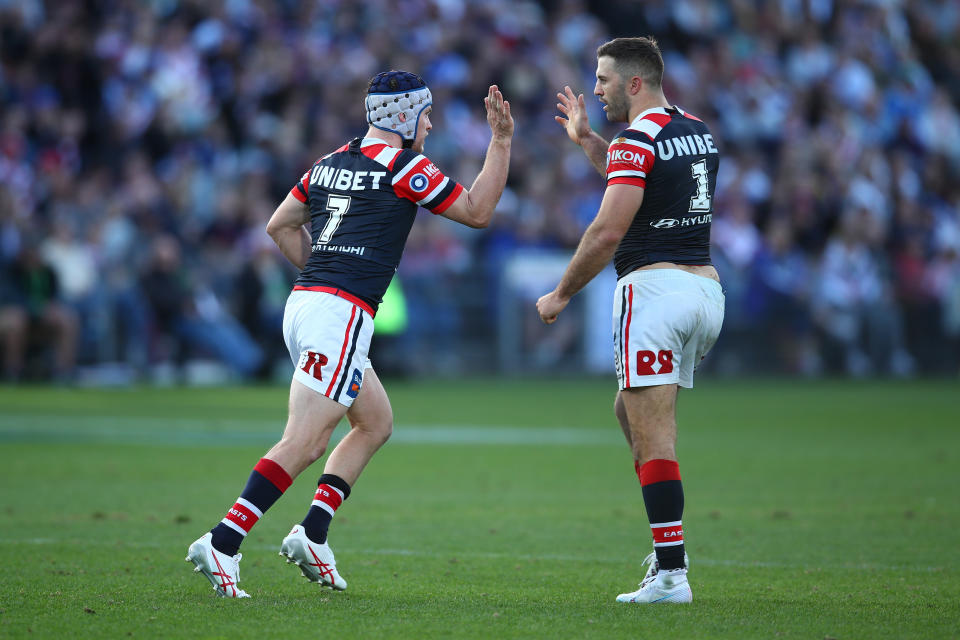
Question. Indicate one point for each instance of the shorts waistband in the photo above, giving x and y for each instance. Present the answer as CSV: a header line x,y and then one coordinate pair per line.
x,y
666,274
340,293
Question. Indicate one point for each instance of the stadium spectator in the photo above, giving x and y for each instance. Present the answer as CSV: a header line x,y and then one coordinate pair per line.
x,y
34,318
135,116
186,317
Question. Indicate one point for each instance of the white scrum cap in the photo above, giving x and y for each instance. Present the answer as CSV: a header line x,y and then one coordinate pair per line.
x,y
395,100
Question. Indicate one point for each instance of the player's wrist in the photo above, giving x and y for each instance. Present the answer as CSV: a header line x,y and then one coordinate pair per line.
x,y
587,137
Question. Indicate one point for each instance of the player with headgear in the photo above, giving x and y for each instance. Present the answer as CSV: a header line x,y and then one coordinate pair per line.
x,y
344,225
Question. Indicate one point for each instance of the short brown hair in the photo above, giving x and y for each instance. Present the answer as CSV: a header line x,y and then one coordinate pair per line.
x,y
635,57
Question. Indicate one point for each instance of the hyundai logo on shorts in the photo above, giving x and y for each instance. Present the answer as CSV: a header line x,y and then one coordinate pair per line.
x,y
665,223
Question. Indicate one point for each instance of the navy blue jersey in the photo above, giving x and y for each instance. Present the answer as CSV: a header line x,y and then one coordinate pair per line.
x,y
672,156
363,199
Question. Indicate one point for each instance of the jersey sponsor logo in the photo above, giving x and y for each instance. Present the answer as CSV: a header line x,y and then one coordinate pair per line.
x,y
695,220
431,170
355,383
686,146
358,251
669,223
344,179
665,223
419,183
626,155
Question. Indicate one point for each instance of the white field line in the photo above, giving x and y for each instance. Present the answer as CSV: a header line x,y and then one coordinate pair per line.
x,y
189,431
492,555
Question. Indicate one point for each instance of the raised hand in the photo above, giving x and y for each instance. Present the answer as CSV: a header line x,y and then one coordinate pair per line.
x,y
575,123
498,113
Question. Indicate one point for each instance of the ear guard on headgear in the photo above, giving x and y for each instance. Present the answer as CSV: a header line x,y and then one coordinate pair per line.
x,y
395,100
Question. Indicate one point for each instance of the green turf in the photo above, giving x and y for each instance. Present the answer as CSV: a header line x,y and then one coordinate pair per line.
x,y
501,509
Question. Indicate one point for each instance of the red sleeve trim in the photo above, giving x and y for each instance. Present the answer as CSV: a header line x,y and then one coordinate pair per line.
x,y
300,190
443,206
635,182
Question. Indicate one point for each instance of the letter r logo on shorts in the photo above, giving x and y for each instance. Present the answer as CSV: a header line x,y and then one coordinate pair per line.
x,y
312,363
646,360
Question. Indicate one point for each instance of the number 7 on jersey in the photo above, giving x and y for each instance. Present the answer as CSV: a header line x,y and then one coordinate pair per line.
x,y
338,207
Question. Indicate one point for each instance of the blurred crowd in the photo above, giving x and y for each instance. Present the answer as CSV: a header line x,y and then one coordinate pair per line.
x,y
144,144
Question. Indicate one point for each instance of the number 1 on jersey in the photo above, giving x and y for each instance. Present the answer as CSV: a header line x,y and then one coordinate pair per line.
x,y
701,199
337,206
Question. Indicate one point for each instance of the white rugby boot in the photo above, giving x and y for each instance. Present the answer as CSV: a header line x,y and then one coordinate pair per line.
x,y
653,565
221,570
315,560
661,585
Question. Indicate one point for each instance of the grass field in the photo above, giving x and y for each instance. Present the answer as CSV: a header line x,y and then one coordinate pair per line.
x,y
500,509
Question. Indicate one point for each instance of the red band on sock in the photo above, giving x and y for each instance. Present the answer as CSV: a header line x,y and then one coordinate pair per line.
x,y
274,473
243,517
667,534
329,496
658,471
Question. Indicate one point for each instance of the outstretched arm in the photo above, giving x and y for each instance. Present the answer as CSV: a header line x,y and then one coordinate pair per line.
x,y
474,208
578,128
287,230
599,243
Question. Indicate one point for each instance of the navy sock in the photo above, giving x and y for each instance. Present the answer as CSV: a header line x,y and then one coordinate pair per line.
x,y
266,484
331,492
663,498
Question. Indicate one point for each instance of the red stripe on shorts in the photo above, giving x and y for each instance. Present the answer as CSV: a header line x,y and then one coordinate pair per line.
x,y
343,351
626,336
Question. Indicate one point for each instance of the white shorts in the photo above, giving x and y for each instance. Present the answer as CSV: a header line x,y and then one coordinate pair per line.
x,y
664,322
328,338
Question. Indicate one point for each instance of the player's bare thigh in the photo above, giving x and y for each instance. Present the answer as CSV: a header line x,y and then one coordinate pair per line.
x,y
371,412
371,423
651,413
312,419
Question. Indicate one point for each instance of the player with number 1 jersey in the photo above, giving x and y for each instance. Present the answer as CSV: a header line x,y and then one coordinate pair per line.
x,y
654,222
